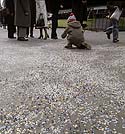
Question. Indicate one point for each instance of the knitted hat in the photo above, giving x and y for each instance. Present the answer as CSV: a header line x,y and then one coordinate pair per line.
x,y
71,18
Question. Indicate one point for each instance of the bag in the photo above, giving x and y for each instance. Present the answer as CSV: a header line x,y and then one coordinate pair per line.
x,y
116,15
40,22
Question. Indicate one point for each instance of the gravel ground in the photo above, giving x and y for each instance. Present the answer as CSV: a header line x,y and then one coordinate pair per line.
x,y
47,89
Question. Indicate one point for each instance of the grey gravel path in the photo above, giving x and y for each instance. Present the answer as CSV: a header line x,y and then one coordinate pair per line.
x,y
47,89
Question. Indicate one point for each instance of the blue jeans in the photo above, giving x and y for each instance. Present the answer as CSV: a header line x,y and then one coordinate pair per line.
x,y
113,29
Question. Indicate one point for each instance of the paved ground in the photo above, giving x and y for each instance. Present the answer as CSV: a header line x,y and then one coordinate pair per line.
x,y
47,89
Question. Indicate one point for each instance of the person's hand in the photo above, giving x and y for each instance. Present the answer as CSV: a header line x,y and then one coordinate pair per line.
x,y
108,16
26,13
61,6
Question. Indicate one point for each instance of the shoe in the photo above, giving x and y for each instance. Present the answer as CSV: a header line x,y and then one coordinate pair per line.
x,y
45,38
31,36
85,46
108,35
88,47
12,37
55,37
115,41
22,39
41,36
69,47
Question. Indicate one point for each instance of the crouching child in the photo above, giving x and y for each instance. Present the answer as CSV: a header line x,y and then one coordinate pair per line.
x,y
74,34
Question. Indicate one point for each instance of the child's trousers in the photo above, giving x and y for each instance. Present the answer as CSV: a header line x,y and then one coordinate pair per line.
x,y
114,29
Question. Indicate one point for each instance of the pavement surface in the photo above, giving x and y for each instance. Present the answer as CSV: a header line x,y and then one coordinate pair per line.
x,y
48,89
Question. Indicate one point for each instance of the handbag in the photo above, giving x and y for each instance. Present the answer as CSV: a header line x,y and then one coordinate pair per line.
x,y
40,22
116,15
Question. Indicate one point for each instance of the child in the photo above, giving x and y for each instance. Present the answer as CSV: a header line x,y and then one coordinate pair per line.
x,y
74,34
114,18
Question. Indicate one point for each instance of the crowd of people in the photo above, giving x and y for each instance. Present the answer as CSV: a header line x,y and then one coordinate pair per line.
x,y
22,17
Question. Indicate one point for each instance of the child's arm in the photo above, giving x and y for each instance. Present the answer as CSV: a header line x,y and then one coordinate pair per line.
x,y
64,34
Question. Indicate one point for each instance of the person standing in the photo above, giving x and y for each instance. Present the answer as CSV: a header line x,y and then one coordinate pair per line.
x,y
9,4
22,18
41,15
54,7
79,8
33,18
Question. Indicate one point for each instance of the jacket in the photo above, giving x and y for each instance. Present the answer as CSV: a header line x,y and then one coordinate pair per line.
x,y
74,33
22,13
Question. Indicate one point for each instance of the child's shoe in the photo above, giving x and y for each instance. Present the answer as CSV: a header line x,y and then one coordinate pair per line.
x,y
69,47
88,47
115,41
108,35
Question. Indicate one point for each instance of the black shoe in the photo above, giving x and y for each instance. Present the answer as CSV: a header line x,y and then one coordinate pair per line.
x,y
12,37
55,37
85,46
69,47
46,36
22,39
115,41
41,36
31,36
108,35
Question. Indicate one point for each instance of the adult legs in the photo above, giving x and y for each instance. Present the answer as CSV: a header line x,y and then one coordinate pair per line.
x,y
46,34
27,32
31,30
41,33
21,33
54,25
11,31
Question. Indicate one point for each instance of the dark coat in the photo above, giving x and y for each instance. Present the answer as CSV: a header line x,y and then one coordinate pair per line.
x,y
9,4
80,10
74,33
22,13
33,11
54,5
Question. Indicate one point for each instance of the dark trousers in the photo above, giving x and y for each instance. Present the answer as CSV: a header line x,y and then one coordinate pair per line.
x,y
80,10
10,26
11,31
54,24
